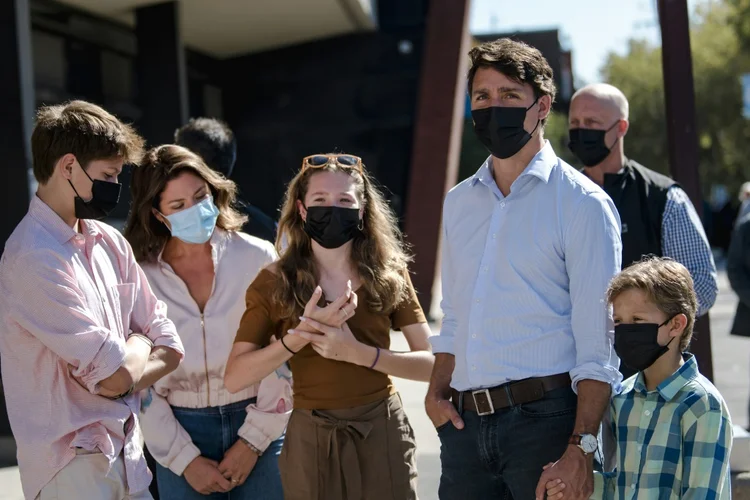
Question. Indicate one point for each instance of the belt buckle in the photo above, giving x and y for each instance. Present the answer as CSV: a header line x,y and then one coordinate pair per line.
x,y
486,393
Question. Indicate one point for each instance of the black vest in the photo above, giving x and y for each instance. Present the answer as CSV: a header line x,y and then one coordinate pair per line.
x,y
640,196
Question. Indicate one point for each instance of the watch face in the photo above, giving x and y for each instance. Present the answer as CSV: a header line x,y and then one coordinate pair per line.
x,y
589,444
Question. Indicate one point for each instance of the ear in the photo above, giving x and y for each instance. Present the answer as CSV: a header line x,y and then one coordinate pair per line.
x,y
302,210
677,325
545,105
65,165
161,218
622,129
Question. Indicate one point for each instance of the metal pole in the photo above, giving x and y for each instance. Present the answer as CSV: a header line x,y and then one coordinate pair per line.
x,y
682,136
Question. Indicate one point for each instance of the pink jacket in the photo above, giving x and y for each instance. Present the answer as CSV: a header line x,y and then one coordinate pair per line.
x,y
208,339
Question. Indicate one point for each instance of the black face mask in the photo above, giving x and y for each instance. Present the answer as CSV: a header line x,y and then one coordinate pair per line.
x,y
501,130
331,227
637,346
588,145
105,196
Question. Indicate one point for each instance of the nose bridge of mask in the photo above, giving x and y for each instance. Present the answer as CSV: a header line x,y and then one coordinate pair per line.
x,y
192,215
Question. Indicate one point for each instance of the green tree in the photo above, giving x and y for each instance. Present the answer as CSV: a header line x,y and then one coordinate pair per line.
x,y
717,66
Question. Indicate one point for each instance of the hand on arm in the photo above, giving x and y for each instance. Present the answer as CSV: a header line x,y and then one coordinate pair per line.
x,y
340,344
249,363
128,375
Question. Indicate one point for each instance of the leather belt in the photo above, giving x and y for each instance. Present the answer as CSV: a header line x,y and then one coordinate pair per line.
x,y
488,401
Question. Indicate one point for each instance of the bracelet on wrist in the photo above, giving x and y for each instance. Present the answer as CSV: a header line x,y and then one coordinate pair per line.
x,y
143,338
251,446
377,357
286,346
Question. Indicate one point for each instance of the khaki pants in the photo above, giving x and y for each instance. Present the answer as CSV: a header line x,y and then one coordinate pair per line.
x,y
85,477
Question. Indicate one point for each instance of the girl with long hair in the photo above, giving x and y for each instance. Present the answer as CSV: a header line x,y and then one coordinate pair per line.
x,y
339,287
185,234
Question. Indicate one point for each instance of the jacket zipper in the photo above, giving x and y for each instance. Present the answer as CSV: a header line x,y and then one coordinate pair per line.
x,y
205,359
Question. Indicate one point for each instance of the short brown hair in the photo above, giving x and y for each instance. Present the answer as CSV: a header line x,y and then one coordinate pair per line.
x,y
516,60
84,130
146,234
667,283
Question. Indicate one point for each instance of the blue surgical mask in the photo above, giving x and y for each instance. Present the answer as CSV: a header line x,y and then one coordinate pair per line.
x,y
195,224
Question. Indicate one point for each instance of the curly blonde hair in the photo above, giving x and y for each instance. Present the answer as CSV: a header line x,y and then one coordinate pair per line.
x,y
146,234
378,250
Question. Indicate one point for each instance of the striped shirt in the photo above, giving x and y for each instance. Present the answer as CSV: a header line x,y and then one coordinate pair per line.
x,y
68,300
672,442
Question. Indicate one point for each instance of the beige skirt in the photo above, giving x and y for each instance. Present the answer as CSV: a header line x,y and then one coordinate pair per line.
x,y
362,453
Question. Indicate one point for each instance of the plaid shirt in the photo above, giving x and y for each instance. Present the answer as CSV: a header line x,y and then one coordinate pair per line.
x,y
673,442
684,240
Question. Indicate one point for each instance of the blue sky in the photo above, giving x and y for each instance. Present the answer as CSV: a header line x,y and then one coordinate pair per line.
x,y
590,28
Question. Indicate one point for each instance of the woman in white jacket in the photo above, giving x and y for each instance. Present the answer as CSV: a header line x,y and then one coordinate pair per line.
x,y
185,234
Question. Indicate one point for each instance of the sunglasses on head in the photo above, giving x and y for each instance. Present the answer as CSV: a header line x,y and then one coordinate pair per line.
x,y
323,160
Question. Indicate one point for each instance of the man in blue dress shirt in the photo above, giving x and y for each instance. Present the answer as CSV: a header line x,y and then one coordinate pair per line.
x,y
524,361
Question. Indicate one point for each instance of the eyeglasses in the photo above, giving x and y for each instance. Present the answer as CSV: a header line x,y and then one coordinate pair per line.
x,y
323,160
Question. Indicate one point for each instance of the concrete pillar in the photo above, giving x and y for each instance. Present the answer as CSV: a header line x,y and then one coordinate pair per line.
x,y
162,75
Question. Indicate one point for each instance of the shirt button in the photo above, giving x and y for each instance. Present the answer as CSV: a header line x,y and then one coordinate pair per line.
x,y
478,301
486,269
647,413
473,335
473,368
640,448
494,236
502,205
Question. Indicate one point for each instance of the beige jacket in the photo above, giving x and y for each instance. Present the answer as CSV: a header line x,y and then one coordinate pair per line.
x,y
208,339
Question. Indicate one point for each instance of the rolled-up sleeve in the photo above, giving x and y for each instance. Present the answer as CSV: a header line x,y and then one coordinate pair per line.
x,y
169,442
444,342
593,255
47,302
149,315
267,417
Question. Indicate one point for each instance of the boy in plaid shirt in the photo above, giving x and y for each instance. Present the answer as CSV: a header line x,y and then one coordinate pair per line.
x,y
671,425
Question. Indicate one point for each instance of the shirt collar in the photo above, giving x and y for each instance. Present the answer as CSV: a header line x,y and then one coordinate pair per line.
x,y
675,382
49,220
540,166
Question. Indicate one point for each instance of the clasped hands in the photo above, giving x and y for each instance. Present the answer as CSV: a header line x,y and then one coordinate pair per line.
x,y
326,330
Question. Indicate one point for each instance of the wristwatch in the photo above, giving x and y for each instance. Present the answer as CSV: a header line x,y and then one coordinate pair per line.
x,y
586,442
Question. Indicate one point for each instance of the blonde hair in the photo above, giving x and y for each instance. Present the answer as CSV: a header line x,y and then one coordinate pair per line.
x,y
146,234
378,251
667,283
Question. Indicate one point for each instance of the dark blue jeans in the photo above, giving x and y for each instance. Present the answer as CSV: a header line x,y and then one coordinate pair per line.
x,y
501,456
214,431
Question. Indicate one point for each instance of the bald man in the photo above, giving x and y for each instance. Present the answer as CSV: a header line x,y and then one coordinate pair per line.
x,y
657,215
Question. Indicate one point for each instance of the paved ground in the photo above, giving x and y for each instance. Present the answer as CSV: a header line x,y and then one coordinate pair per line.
x,y
732,376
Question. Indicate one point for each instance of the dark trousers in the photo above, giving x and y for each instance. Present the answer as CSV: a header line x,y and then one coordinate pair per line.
x,y
500,456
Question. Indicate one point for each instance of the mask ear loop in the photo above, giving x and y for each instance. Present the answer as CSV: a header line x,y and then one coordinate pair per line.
x,y
538,121
611,147
361,225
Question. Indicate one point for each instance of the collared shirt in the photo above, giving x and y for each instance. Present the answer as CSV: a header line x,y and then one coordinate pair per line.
x,y
672,442
68,301
208,337
684,240
524,277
